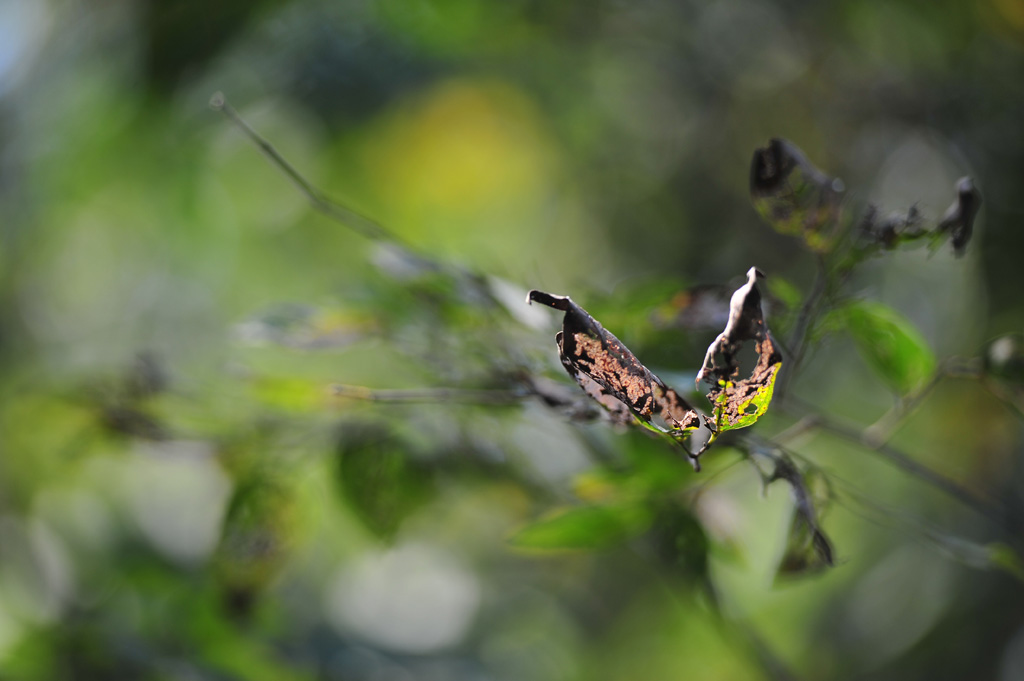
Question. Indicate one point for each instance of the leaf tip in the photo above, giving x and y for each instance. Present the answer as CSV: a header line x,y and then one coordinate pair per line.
x,y
557,302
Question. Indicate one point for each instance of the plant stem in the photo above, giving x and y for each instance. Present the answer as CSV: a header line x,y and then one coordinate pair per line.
x,y
354,220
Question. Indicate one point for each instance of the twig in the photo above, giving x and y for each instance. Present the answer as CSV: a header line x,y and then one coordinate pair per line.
x,y
869,509
881,430
354,220
462,395
797,429
806,315
909,465
1004,396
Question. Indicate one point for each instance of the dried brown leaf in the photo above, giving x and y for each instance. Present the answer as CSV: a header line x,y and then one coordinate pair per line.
x,y
610,373
739,403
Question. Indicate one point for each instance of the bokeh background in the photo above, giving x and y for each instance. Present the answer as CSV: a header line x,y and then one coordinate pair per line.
x,y
183,497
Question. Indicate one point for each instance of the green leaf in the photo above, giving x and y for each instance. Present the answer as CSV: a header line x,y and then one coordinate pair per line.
x,y
379,479
680,541
584,527
889,344
258,534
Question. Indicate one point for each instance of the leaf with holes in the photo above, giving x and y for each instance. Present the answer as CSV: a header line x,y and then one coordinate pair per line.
x,y
610,373
740,403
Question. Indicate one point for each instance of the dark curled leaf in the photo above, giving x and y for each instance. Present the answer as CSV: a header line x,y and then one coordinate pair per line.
x,y
898,228
893,229
792,195
739,403
959,218
807,549
610,373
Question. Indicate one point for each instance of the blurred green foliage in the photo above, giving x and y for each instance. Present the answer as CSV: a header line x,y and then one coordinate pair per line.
x,y
184,495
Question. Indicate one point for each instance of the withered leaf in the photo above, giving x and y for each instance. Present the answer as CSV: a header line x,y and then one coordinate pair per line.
x,y
739,403
808,548
793,196
610,373
894,229
959,217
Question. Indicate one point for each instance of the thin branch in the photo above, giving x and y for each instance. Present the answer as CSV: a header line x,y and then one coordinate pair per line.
x,y
909,465
965,551
1004,396
796,430
352,219
461,395
808,311
882,430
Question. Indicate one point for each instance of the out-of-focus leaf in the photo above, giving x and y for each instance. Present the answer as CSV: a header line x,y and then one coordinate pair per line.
x,y
260,528
793,196
650,471
584,527
679,539
740,403
888,343
378,479
808,549
892,229
610,373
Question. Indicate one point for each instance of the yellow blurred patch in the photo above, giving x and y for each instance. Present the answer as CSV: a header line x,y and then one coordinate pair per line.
x,y
463,145
1012,11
